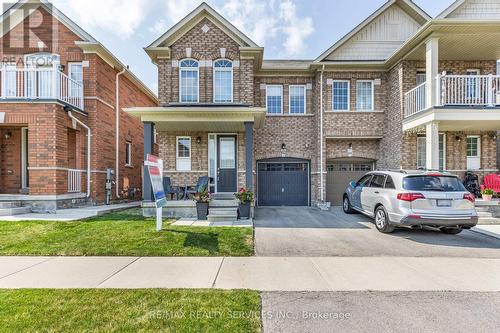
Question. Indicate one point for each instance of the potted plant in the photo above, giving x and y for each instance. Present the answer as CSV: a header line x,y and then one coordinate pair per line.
x,y
487,194
202,199
245,197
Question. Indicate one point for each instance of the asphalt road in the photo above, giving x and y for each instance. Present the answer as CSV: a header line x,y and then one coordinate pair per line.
x,y
309,232
381,312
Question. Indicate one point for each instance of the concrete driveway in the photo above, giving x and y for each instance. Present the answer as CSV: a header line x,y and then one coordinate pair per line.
x,y
309,232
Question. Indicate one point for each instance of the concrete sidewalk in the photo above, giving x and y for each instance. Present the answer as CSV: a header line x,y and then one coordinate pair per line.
x,y
489,230
257,273
72,214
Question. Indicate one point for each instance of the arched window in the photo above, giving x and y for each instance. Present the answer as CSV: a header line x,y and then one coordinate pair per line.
x,y
223,81
188,85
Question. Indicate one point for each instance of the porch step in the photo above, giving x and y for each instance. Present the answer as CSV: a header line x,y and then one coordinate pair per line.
x,y
14,211
224,203
223,196
9,204
223,214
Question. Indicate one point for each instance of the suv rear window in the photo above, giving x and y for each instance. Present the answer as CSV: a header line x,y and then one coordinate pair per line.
x,y
433,183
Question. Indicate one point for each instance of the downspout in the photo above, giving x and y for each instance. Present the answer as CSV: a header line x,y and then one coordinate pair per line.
x,y
117,131
89,136
321,139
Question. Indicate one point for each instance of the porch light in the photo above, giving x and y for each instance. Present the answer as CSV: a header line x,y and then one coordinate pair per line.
x,y
458,138
7,135
198,140
283,146
349,150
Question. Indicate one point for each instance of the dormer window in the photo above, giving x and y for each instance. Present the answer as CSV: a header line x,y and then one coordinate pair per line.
x,y
223,81
189,80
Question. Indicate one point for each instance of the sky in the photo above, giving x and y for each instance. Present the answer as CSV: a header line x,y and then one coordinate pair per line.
x,y
288,29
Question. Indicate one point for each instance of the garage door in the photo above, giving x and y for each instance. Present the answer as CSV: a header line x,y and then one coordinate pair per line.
x,y
340,174
283,183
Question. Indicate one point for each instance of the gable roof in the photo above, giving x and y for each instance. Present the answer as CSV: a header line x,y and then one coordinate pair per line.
x,y
481,9
88,43
14,11
408,6
202,11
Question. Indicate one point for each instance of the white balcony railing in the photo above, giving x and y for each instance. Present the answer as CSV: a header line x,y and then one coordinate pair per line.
x,y
40,84
415,100
74,181
456,90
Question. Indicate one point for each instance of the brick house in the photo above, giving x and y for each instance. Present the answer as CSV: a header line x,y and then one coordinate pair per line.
x,y
401,90
60,89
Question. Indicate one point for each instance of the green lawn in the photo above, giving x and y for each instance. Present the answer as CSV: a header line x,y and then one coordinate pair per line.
x,y
150,310
121,234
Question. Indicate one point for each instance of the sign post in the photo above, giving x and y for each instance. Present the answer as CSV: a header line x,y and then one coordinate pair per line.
x,y
155,168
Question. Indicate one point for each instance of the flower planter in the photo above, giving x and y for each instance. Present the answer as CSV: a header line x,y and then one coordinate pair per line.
x,y
202,210
244,210
487,197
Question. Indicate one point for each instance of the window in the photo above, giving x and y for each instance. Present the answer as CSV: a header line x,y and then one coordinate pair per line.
x,y
433,183
75,72
472,146
365,181
473,84
364,96
297,99
421,77
340,98
498,67
9,86
422,152
188,81
183,162
378,181
274,99
389,183
128,154
223,81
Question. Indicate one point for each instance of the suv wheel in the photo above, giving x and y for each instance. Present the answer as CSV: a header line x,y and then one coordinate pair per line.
x,y
451,231
382,221
347,206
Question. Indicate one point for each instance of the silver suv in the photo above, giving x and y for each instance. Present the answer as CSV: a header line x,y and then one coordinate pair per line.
x,y
412,199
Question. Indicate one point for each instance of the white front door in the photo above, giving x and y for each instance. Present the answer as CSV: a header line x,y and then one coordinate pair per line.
x,y
473,152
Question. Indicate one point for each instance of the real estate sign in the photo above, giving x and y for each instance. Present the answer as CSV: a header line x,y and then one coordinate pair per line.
x,y
155,168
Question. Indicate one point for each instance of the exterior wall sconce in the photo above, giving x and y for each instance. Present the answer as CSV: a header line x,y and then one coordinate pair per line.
x,y
198,140
7,135
458,138
349,150
283,150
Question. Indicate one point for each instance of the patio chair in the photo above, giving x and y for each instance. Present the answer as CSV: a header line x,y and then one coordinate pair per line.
x,y
201,185
169,189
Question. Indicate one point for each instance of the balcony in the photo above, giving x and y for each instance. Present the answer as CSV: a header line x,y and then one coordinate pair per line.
x,y
38,84
463,103
456,91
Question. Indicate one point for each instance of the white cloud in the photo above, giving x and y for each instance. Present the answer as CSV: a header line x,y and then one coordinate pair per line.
x,y
117,16
296,28
177,9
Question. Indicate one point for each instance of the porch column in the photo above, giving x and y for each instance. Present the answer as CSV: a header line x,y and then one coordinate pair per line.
x,y
432,148
431,70
249,154
148,149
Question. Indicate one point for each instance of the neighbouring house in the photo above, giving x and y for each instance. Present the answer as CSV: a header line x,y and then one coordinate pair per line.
x,y
60,132
401,90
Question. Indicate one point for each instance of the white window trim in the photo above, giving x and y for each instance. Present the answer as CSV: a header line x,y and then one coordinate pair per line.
x,y
223,70
372,97
70,65
478,145
270,86
348,95
128,156
290,98
444,148
197,69
177,158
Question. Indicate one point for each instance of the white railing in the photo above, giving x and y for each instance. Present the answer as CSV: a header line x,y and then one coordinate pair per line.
x,y
415,100
40,84
468,90
456,90
74,181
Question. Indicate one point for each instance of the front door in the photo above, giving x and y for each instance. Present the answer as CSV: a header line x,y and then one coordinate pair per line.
x,y
24,160
227,175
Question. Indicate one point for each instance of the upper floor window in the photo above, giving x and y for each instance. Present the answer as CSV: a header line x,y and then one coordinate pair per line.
x,y
340,98
223,81
297,99
421,77
128,153
274,99
364,95
188,77
75,73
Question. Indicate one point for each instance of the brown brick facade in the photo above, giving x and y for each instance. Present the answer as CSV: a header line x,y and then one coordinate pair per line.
x,y
54,143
